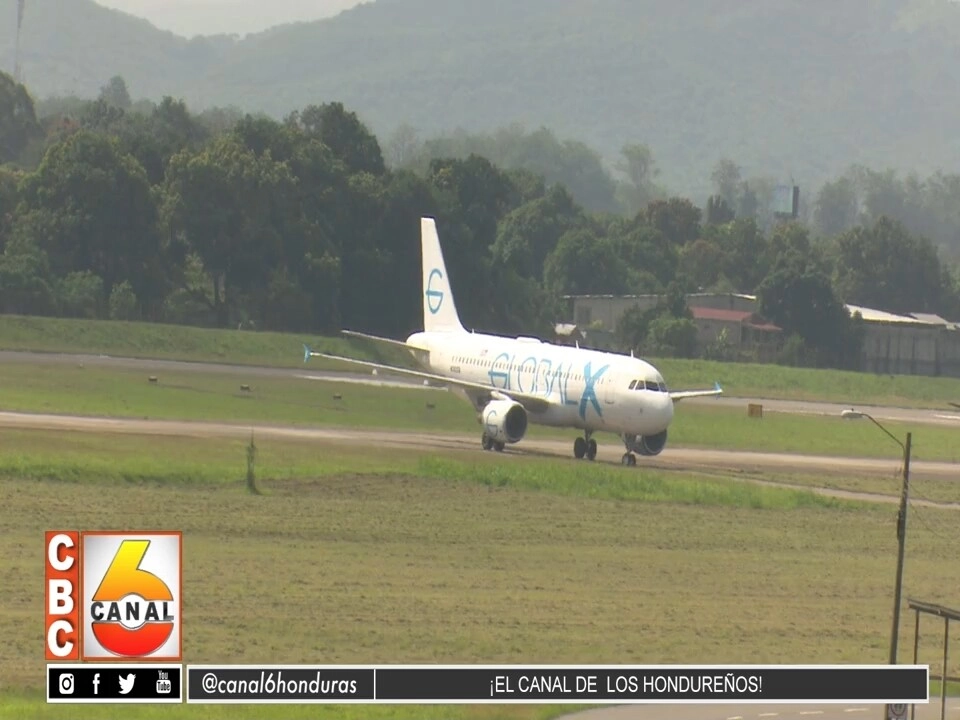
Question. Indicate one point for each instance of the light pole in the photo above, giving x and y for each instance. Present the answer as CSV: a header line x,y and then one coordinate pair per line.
x,y
901,526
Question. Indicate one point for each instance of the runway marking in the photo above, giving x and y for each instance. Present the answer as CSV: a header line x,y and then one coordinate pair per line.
x,y
735,717
811,712
769,714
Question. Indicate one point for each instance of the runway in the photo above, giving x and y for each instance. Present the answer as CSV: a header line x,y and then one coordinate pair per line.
x,y
734,465
731,463
947,416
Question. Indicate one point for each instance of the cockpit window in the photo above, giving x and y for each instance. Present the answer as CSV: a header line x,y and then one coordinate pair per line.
x,y
633,384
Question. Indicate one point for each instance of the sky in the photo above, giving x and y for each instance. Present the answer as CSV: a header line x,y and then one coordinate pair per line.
x,y
209,17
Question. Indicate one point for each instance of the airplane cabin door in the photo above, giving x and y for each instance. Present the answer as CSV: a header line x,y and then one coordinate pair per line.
x,y
609,387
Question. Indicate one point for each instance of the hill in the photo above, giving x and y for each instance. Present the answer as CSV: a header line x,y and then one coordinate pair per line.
x,y
786,90
75,47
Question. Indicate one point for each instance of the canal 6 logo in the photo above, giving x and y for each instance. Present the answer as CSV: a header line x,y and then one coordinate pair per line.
x,y
131,596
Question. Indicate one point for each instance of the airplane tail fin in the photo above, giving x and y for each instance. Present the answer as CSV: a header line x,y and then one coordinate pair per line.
x,y
439,309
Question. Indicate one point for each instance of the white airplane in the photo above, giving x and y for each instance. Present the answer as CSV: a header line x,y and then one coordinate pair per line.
x,y
514,381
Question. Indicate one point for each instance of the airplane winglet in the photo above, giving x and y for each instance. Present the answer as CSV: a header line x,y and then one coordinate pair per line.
x,y
307,352
716,386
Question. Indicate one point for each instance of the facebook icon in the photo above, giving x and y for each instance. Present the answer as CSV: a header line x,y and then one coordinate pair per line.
x,y
96,683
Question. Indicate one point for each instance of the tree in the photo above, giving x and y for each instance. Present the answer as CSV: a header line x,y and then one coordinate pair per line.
x,y
798,296
640,169
836,207
702,261
18,120
230,205
667,328
726,181
745,254
527,234
647,253
672,337
115,93
9,196
80,295
25,280
677,218
718,212
90,207
402,146
572,164
344,133
123,303
584,264
884,266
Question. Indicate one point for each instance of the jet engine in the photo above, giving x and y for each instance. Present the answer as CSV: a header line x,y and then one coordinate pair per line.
x,y
651,444
504,421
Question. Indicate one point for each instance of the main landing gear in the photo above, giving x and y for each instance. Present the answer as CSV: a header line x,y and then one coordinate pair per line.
x,y
629,458
489,444
585,446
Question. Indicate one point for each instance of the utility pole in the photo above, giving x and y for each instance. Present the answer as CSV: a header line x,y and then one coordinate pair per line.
x,y
901,539
17,69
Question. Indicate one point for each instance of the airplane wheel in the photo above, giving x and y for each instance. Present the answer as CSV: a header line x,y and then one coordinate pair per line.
x,y
591,449
498,446
579,448
485,442
629,459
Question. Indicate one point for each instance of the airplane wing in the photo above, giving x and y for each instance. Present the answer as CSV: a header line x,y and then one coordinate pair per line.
x,y
683,394
533,403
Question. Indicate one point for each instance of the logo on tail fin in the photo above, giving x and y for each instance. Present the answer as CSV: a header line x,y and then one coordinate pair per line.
x,y
434,297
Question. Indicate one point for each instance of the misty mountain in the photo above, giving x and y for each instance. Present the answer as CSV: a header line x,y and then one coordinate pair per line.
x,y
211,17
786,88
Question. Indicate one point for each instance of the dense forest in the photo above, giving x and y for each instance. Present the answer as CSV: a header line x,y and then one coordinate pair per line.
x,y
110,209
787,89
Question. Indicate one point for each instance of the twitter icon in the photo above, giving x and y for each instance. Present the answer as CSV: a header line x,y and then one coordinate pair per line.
x,y
126,683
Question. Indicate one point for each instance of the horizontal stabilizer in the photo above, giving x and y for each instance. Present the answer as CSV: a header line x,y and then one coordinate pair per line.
x,y
385,341
683,394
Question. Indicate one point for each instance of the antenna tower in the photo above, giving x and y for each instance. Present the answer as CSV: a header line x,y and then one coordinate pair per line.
x,y
17,69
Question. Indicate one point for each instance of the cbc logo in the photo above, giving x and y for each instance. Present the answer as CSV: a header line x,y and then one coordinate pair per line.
x,y
66,683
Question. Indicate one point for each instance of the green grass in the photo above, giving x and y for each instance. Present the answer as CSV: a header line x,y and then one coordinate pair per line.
x,y
436,558
147,340
786,383
937,490
953,689
188,462
287,400
180,342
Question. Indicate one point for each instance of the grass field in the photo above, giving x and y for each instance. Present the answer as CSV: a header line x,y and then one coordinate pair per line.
x,y
284,400
179,342
284,350
440,558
